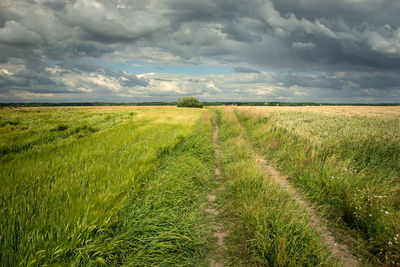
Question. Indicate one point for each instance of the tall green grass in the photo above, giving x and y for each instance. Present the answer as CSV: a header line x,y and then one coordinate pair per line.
x,y
168,222
268,227
348,165
24,129
105,198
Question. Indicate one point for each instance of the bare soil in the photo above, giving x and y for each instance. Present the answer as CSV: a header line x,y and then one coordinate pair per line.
x,y
216,257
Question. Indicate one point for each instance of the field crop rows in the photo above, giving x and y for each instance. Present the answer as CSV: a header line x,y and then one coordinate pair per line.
x,y
132,186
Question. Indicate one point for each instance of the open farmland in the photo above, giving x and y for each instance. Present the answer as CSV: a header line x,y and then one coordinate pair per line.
x,y
167,186
346,160
103,186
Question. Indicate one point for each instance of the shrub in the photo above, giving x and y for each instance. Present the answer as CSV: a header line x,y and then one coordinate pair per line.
x,y
60,127
188,101
11,122
84,130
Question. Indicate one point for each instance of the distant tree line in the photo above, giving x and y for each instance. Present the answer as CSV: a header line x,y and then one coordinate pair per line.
x,y
69,104
48,104
326,104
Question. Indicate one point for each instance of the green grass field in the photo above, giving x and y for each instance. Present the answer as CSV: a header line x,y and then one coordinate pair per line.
x,y
92,193
349,165
264,231
101,186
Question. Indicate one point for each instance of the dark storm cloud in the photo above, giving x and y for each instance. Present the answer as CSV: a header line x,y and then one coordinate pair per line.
x,y
56,5
376,80
286,38
245,70
329,45
340,80
14,34
310,81
354,13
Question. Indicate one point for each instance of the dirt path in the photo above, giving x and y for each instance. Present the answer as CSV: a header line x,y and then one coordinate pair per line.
x,y
216,257
340,251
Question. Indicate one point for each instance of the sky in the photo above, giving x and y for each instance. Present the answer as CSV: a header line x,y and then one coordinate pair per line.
x,y
333,51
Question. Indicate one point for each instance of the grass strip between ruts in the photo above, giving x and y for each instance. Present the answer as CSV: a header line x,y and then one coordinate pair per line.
x,y
269,228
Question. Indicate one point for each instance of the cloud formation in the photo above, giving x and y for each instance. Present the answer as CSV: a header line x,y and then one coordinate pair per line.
x,y
303,50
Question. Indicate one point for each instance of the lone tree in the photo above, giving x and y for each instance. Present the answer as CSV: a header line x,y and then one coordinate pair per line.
x,y
188,101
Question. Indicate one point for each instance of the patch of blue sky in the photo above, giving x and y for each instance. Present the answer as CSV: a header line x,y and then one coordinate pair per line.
x,y
50,62
138,67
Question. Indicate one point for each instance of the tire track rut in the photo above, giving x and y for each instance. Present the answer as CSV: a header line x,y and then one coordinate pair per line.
x,y
339,250
216,258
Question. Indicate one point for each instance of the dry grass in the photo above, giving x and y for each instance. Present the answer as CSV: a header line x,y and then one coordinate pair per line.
x,y
342,110
330,124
